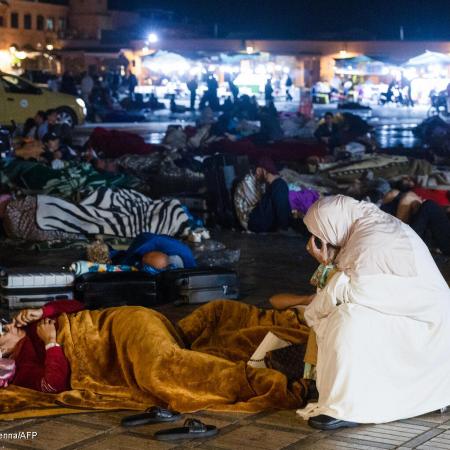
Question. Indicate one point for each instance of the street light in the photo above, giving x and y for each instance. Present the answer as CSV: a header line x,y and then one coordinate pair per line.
x,y
152,38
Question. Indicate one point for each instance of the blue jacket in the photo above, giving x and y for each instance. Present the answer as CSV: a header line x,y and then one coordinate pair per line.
x,y
150,242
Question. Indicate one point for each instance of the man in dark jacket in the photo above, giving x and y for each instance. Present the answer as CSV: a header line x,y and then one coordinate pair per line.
x,y
273,211
327,132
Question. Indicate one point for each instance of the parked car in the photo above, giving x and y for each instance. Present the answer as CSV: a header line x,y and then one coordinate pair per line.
x,y
20,99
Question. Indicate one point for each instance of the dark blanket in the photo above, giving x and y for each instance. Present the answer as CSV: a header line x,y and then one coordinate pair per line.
x,y
114,143
287,150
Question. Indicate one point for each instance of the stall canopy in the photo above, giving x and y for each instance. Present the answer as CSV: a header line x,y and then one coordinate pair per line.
x,y
361,65
428,59
166,62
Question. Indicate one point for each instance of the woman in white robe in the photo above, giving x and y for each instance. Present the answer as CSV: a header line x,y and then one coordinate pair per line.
x,y
382,321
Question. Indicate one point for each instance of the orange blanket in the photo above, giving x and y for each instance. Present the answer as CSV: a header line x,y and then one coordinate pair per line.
x,y
133,357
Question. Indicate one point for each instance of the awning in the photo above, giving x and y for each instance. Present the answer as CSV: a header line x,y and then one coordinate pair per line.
x,y
427,59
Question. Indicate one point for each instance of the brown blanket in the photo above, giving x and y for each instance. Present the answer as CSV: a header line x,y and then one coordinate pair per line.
x,y
133,357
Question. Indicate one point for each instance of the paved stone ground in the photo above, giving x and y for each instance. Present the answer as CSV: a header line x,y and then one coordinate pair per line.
x,y
269,264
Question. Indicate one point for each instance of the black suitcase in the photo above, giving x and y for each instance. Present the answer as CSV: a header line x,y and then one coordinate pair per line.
x,y
106,289
196,203
195,286
222,172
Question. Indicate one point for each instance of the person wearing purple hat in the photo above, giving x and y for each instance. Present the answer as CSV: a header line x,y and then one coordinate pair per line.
x,y
273,211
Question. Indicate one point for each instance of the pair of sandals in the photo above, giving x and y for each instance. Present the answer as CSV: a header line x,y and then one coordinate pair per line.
x,y
192,429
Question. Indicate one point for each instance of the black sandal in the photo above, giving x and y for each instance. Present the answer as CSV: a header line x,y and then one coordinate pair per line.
x,y
155,414
193,429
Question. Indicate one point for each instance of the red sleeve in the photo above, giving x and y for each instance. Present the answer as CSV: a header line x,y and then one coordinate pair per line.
x,y
52,378
54,309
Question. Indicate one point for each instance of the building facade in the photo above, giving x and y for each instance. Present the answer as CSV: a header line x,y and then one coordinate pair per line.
x,y
33,35
29,32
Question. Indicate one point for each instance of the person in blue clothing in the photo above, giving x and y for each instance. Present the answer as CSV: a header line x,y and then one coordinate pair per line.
x,y
156,252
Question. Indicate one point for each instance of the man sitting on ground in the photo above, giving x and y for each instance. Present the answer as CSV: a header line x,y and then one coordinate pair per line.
x,y
273,211
327,132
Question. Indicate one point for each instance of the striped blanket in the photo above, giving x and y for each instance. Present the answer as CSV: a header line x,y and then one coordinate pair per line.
x,y
121,212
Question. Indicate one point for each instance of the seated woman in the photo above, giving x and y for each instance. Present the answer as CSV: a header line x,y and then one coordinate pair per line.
x,y
40,361
382,321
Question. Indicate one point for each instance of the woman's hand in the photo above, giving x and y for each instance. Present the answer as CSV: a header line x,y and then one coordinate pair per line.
x,y
46,331
322,255
27,316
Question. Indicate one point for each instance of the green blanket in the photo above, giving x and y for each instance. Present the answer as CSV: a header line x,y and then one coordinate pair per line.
x,y
74,180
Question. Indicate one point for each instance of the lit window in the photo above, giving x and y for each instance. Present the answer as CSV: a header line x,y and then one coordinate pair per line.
x,y
50,23
62,24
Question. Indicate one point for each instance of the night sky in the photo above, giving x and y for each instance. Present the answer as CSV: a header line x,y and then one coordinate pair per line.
x,y
346,19
428,19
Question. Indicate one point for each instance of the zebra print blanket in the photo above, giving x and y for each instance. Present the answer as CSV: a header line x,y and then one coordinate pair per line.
x,y
121,212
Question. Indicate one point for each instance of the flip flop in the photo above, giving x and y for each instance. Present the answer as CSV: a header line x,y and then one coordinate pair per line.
x,y
155,414
193,429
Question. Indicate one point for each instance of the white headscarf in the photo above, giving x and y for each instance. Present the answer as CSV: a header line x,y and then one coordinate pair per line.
x,y
371,242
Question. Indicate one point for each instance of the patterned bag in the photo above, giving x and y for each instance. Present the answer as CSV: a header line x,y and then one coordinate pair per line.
x,y
248,193
288,360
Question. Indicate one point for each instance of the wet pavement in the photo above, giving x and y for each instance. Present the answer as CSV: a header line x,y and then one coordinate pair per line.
x,y
392,125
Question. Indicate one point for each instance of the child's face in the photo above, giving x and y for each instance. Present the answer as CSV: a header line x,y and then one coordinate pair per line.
x,y
53,145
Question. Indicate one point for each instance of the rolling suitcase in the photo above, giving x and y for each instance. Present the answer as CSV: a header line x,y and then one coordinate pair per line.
x,y
33,288
222,172
107,289
195,286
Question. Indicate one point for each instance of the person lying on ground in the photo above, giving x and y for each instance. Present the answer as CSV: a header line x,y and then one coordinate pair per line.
x,y
30,339
273,211
18,220
134,356
425,217
118,212
157,251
